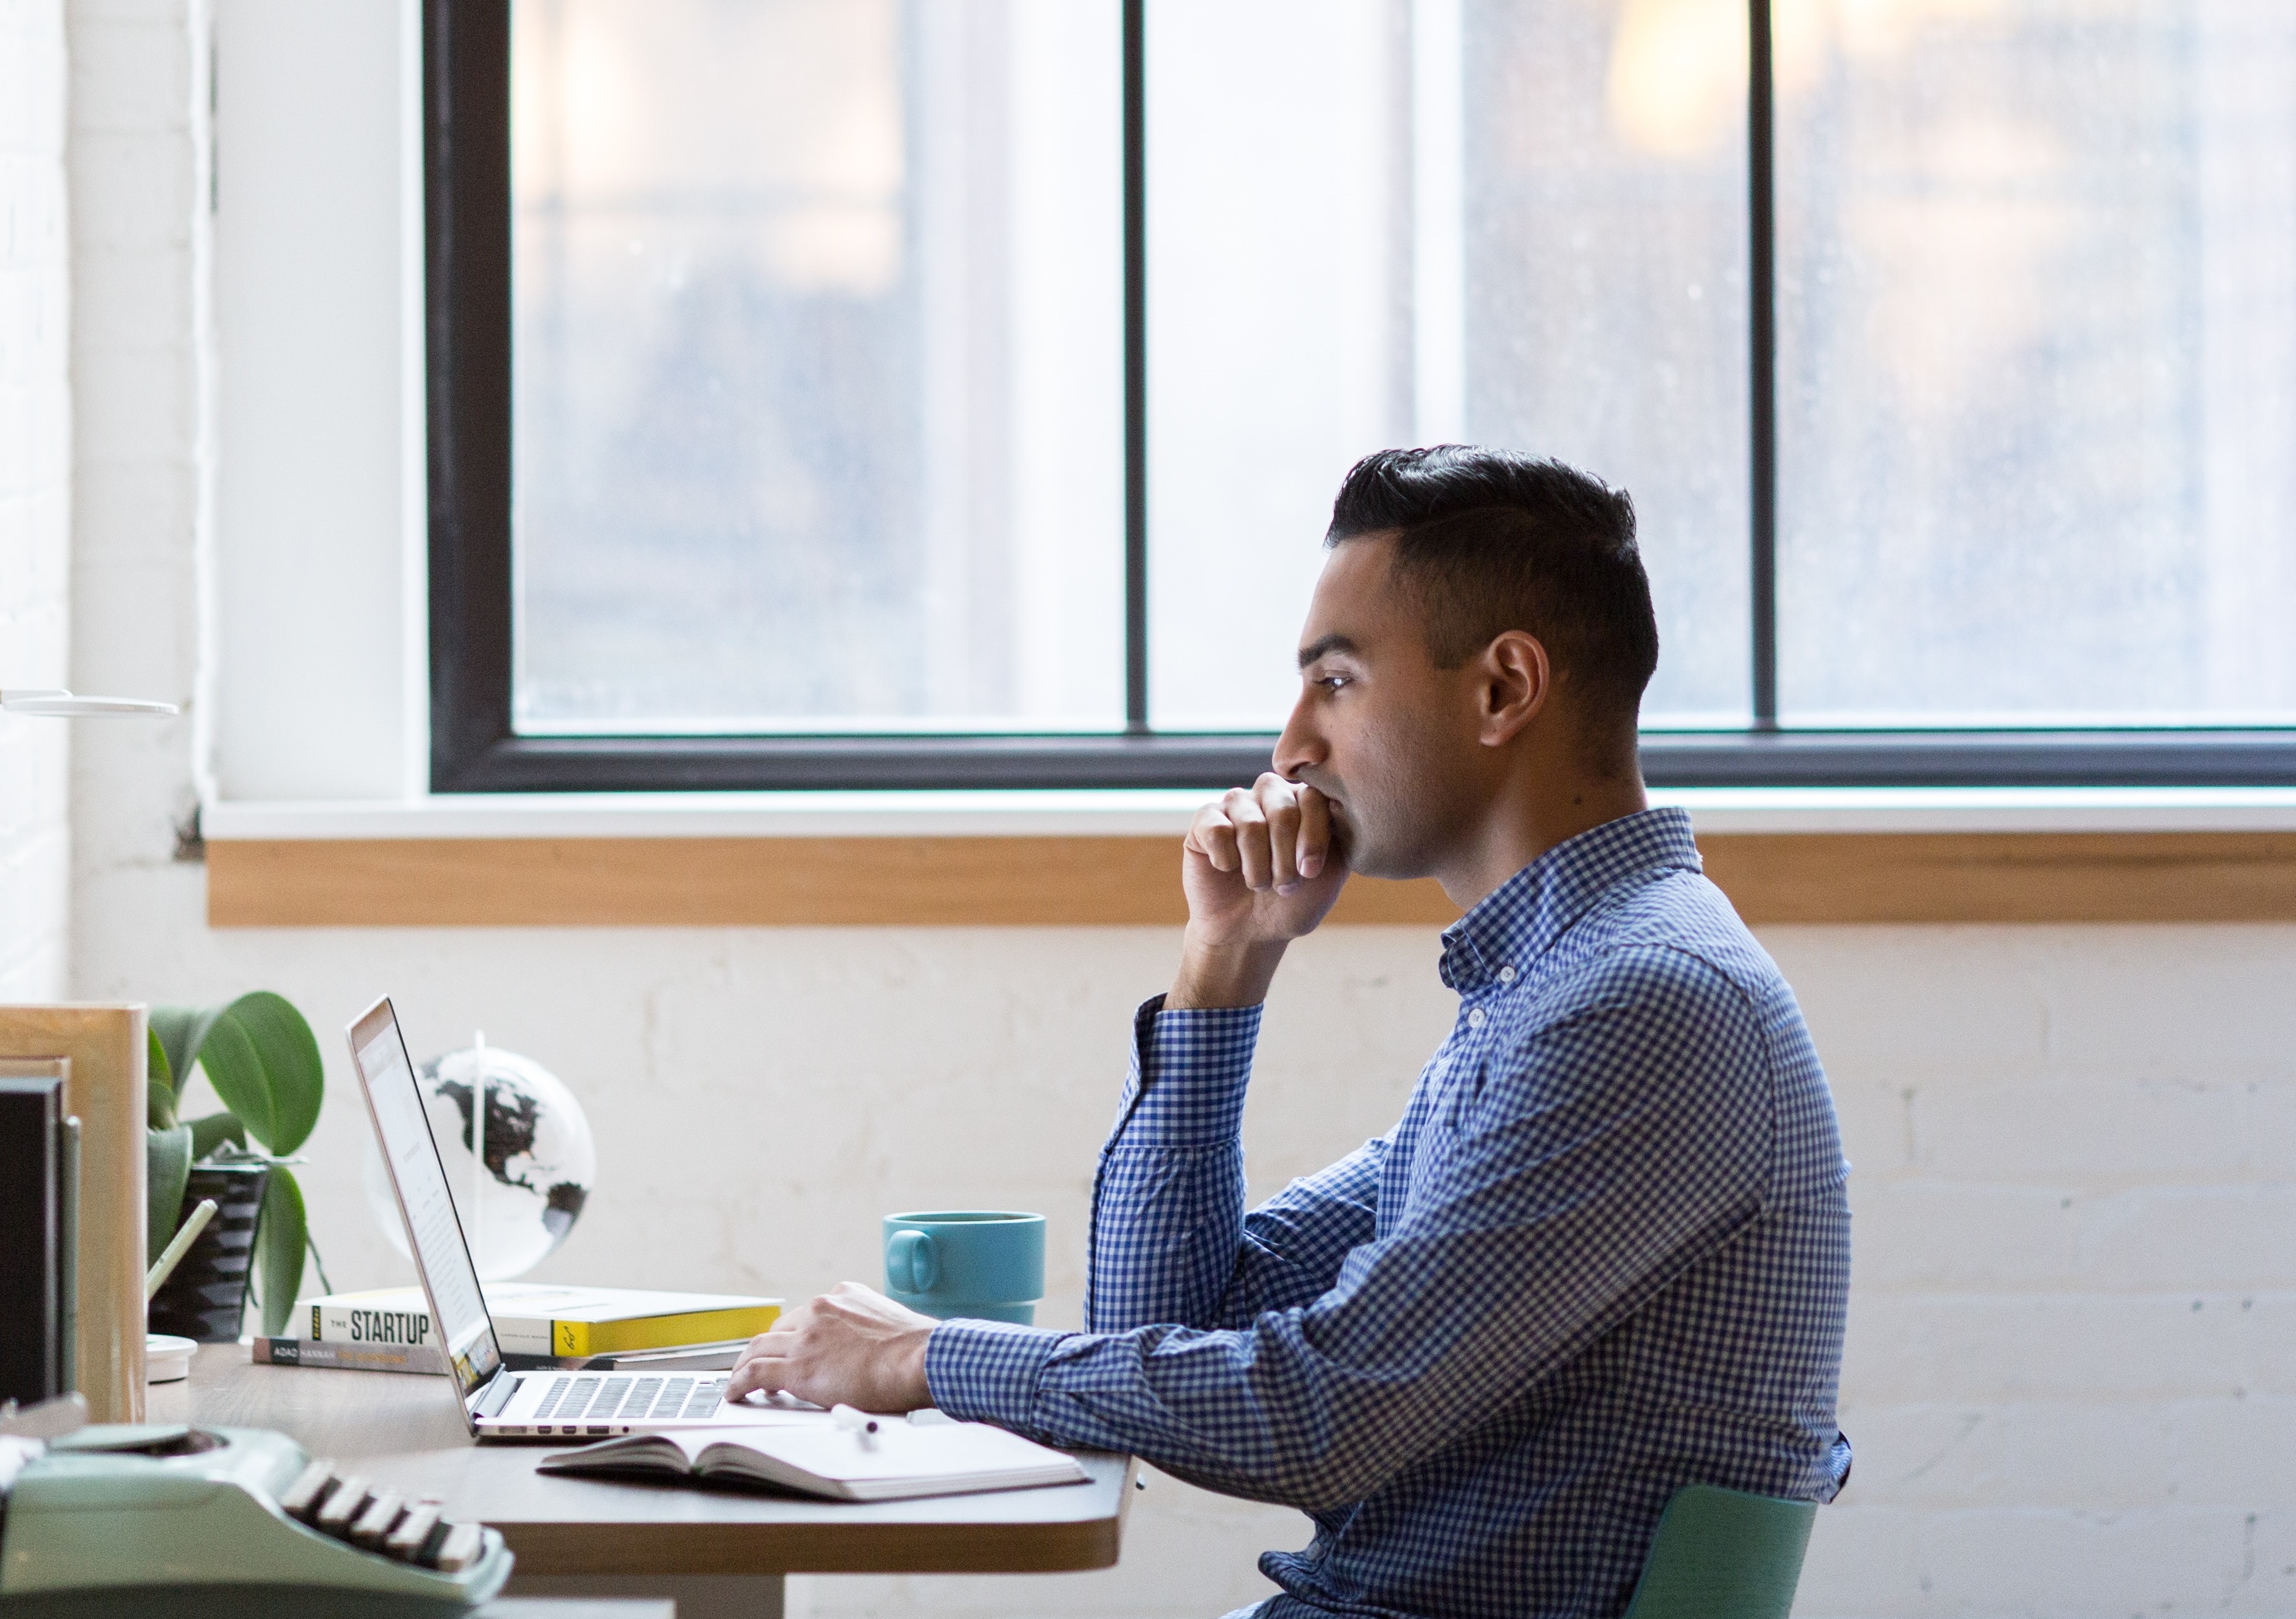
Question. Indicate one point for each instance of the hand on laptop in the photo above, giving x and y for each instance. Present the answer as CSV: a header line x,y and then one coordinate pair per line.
x,y
850,1346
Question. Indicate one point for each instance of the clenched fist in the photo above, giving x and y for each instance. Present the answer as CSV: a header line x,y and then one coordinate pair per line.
x,y
1260,868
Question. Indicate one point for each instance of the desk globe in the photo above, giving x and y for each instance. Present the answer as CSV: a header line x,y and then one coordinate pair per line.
x,y
539,1158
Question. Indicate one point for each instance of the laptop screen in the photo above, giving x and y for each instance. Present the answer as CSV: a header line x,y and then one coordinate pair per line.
x,y
441,1255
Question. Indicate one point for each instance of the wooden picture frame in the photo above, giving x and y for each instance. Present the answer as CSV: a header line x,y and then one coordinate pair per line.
x,y
106,1045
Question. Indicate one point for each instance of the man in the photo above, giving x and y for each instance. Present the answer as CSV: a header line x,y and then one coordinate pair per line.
x,y
1606,1251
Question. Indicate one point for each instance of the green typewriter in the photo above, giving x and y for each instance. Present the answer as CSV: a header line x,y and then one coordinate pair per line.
x,y
222,1524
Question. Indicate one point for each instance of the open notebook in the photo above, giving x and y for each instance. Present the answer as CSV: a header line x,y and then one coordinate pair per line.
x,y
899,1460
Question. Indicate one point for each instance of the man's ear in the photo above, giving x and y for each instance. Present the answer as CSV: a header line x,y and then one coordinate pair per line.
x,y
1516,684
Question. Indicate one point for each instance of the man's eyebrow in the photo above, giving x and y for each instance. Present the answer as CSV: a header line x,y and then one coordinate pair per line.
x,y
1328,645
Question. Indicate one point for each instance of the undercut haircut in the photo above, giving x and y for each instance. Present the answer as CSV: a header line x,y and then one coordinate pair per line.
x,y
1489,540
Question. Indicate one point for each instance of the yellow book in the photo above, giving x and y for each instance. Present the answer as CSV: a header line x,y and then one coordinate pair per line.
x,y
541,1318
623,1335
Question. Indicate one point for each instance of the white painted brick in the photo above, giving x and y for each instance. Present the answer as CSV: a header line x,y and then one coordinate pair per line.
x,y
33,764
163,13
39,976
31,114
18,402
2204,1237
2049,1564
35,890
143,290
1862,1561
2087,1456
132,189
1933,1003
1926,1456
2114,1010
2272,1363
1875,1114
1972,1236
35,413
1963,1239
1885,1561
1987,1348
131,405
2271,1128
2106,1130
134,512
127,652
42,581
2213,1453
130,74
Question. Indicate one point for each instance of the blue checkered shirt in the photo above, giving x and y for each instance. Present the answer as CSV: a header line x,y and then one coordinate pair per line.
x,y
1604,1253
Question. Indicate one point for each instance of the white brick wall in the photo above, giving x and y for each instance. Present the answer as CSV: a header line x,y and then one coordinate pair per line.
x,y
35,496
141,463
2071,1371
2072,1358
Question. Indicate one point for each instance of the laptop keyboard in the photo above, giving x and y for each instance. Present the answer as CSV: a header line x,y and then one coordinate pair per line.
x,y
631,1399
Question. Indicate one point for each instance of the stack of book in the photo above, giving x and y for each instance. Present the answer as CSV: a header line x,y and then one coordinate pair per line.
x,y
539,1326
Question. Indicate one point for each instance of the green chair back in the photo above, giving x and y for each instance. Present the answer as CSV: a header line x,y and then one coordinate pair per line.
x,y
1721,1554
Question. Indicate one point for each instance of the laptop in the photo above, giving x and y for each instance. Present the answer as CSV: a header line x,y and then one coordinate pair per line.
x,y
498,1401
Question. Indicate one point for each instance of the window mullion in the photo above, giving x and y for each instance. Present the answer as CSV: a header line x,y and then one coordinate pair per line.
x,y
1135,369
1761,290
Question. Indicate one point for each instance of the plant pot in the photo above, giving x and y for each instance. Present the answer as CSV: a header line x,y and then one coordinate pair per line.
x,y
204,1298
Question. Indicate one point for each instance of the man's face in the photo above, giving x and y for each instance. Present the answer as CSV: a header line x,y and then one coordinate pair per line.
x,y
1389,737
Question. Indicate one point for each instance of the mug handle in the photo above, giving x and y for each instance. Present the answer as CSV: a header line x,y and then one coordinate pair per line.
x,y
911,1265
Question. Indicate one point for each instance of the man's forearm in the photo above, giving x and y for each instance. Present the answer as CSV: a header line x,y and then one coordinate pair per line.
x,y
1216,974
1168,1197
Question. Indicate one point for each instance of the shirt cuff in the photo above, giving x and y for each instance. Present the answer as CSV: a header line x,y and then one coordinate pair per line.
x,y
988,1371
1190,1070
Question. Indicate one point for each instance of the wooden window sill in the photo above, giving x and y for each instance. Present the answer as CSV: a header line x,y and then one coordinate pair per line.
x,y
1780,864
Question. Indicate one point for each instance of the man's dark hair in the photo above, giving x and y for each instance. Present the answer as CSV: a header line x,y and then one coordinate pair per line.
x,y
1487,540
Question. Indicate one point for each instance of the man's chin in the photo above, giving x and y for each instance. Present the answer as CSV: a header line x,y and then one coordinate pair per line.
x,y
1369,856
1364,855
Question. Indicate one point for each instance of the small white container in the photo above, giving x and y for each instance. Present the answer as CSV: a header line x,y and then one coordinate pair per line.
x,y
166,1359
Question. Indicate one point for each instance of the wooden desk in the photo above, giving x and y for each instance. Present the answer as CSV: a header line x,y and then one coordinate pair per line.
x,y
715,1550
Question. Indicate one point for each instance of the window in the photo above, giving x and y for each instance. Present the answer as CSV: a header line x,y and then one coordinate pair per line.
x,y
952,392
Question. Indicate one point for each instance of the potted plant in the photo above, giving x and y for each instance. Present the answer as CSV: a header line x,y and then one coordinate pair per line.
x,y
260,1056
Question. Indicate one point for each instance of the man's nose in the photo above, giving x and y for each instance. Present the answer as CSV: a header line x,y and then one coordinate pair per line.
x,y
1300,747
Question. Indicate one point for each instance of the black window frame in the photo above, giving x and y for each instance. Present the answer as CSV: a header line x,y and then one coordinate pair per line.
x,y
476,748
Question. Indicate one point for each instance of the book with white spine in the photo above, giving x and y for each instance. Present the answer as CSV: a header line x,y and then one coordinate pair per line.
x,y
544,1318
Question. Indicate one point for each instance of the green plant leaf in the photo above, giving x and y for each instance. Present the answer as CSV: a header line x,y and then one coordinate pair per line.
x,y
281,1237
212,1132
288,1052
159,1086
168,1170
179,1032
235,1069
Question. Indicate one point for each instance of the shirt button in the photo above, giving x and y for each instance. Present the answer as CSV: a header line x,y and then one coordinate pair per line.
x,y
1507,974
1475,1018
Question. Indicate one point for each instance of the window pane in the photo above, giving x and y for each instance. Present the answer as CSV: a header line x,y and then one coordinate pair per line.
x,y
2037,360
818,377
1606,292
1380,221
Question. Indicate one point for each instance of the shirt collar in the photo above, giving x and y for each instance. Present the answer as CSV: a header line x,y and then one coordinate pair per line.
x,y
1514,924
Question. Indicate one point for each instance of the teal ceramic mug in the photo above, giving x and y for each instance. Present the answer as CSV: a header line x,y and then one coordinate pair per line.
x,y
986,1264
